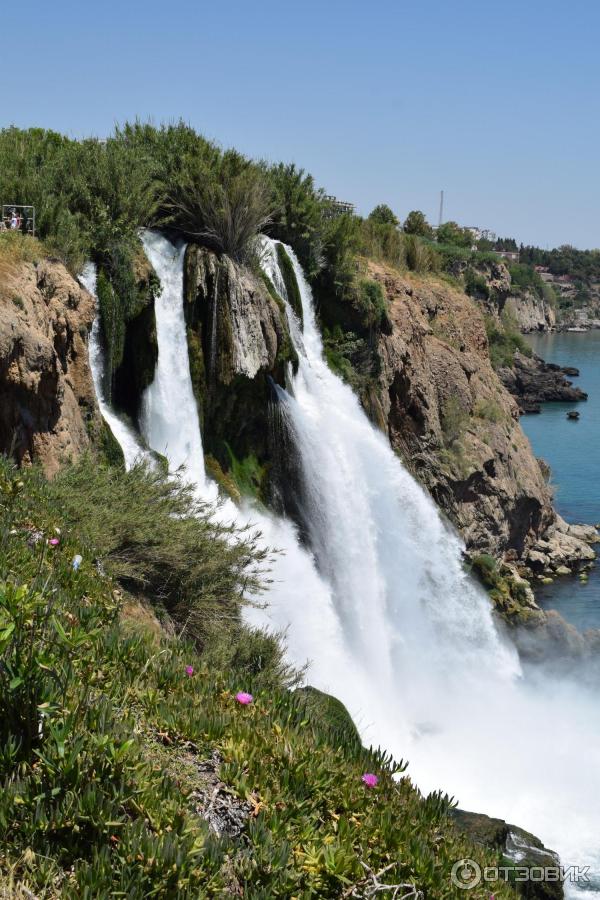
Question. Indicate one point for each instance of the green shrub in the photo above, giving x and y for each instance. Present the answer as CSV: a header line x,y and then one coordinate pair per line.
x,y
488,410
504,341
298,214
454,421
525,278
179,554
371,302
382,214
476,285
226,211
420,256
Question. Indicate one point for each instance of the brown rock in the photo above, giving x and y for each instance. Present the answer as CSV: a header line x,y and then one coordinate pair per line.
x,y
451,419
47,402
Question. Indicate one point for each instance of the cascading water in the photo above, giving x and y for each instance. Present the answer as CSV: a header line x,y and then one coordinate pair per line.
x,y
431,677
389,621
169,414
123,433
171,426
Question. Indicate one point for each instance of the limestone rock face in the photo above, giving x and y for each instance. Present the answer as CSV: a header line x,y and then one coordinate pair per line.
x,y
48,409
239,344
451,420
530,312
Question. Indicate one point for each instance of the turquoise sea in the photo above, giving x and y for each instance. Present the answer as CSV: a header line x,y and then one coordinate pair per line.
x,y
572,448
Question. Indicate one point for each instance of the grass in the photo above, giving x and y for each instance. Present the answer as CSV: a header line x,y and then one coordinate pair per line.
x,y
489,411
114,759
504,341
17,248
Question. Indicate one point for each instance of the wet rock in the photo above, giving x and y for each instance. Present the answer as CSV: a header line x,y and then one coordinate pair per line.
x,y
517,848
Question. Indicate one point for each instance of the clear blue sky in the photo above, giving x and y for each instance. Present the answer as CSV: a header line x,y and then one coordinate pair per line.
x,y
497,103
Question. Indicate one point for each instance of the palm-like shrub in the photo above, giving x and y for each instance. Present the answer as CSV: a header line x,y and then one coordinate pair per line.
x,y
226,212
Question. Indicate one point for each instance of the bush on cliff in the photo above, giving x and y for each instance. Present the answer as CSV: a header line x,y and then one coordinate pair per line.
x,y
504,341
225,211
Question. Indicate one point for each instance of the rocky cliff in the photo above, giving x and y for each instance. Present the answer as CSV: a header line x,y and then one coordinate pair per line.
x,y
530,312
48,409
455,425
239,345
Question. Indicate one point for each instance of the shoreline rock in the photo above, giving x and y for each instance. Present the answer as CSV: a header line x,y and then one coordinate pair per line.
x,y
532,381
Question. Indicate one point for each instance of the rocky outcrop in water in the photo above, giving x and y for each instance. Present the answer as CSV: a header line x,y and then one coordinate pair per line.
x,y
48,409
533,381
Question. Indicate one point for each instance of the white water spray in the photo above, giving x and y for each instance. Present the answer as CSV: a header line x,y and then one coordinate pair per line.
x,y
123,433
169,414
442,687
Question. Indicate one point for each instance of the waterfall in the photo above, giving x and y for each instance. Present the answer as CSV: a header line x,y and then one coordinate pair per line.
x,y
432,679
379,604
170,420
123,433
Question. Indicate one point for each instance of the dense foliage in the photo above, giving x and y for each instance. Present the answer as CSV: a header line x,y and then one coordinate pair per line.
x,y
119,745
582,265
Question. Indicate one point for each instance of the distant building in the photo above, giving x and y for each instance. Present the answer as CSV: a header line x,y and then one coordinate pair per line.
x,y
510,255
481,234
337,207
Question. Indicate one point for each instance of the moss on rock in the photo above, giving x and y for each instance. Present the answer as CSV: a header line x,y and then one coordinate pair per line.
x,y
291,284
197,370
126,287
511,595
329,714
109,447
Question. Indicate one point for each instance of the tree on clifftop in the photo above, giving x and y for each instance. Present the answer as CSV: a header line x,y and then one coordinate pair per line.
x,y
452,233
383,215
416,223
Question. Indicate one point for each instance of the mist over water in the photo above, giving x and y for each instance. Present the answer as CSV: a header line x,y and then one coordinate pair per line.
x,y
380,604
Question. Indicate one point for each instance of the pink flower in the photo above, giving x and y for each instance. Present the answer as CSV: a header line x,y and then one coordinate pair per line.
x,y
370,780
189,670
244,698
54,542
